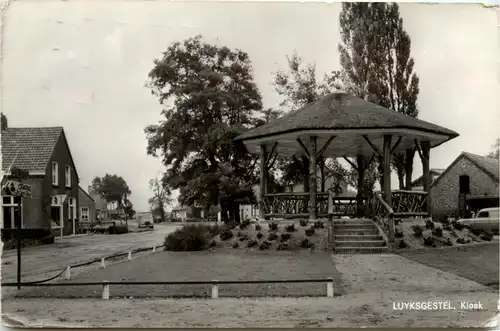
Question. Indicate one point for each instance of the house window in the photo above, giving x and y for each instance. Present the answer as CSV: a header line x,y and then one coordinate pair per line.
x,y
85,214
12,212
55,173
68,176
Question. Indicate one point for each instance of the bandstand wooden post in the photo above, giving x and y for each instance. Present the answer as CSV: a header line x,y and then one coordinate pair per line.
x,y
263,180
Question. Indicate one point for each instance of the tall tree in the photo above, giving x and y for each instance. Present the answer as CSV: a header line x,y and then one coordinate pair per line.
x,y
209,97
160,199
112,188
298,86
3,122
377,66
495,153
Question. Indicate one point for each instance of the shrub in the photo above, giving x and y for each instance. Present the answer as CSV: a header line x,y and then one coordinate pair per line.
x,y
244,224
239,234
318,225
463,240
429,224
226,234
118,229
252,243
272,236
236,245
244,237
258,227
214,229
447,227
454,233
458,226
285,237
310,231
188,238
417,231
212,244
475,231
398,234
282,247
306,244
264,245
429,241
448,242
402,244
303,222
488,236
290,228
438,232
397,221
259,235
273,226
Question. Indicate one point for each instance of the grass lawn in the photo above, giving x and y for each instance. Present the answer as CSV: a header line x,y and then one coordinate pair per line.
x,y
223,264
479,263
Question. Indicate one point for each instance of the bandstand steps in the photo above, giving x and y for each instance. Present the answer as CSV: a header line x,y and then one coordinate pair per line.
x,y
358,237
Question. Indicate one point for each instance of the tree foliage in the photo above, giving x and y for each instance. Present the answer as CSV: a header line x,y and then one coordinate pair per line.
x,y
3,122
376,63
112,188
495,153
161,198
298,86
209,98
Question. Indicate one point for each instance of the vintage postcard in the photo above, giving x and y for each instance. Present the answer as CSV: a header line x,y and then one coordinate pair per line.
x,y
249,164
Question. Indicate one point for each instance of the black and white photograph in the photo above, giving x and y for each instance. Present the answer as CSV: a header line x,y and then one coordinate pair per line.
x,y
249,164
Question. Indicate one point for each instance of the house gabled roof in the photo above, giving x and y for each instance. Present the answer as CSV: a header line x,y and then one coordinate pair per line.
x,y
85,192
490,166
31,148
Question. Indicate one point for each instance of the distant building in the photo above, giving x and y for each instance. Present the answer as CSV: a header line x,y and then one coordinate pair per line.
x,y
471,176
186,212
87,210
101,206
417,184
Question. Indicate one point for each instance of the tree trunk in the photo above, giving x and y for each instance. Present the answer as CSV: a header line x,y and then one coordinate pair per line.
x,y
236,212
223,213
380,169
305,173
410,154
162,213
401,178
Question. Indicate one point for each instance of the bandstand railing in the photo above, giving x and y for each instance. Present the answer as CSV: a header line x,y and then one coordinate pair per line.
x,y
404,204
295,204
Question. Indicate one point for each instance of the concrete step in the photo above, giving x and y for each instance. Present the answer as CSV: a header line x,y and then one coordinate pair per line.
x,y
357,238
354,226
360,250
355,232
358,244
354,222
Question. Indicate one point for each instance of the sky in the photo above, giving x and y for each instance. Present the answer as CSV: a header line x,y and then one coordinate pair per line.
x,y
83,65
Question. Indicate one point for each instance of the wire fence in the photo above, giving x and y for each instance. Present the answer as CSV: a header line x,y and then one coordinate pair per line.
x,y
67,269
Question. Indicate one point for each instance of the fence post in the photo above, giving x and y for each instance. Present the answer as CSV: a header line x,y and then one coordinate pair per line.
x,y
129,256
67,273
105,290
215,289
154,249
329,287
103,263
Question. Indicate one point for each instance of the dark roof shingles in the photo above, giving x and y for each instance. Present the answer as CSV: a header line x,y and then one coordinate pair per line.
x,y
342,110
29,148
488,164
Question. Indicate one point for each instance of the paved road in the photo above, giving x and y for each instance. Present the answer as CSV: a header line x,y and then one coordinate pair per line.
x,y
39,262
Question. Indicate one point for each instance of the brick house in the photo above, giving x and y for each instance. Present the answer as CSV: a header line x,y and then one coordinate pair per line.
x,y
101,206
87,207
474,175
43,152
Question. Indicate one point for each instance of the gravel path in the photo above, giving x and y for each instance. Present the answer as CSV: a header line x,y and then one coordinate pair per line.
x,y
353,310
